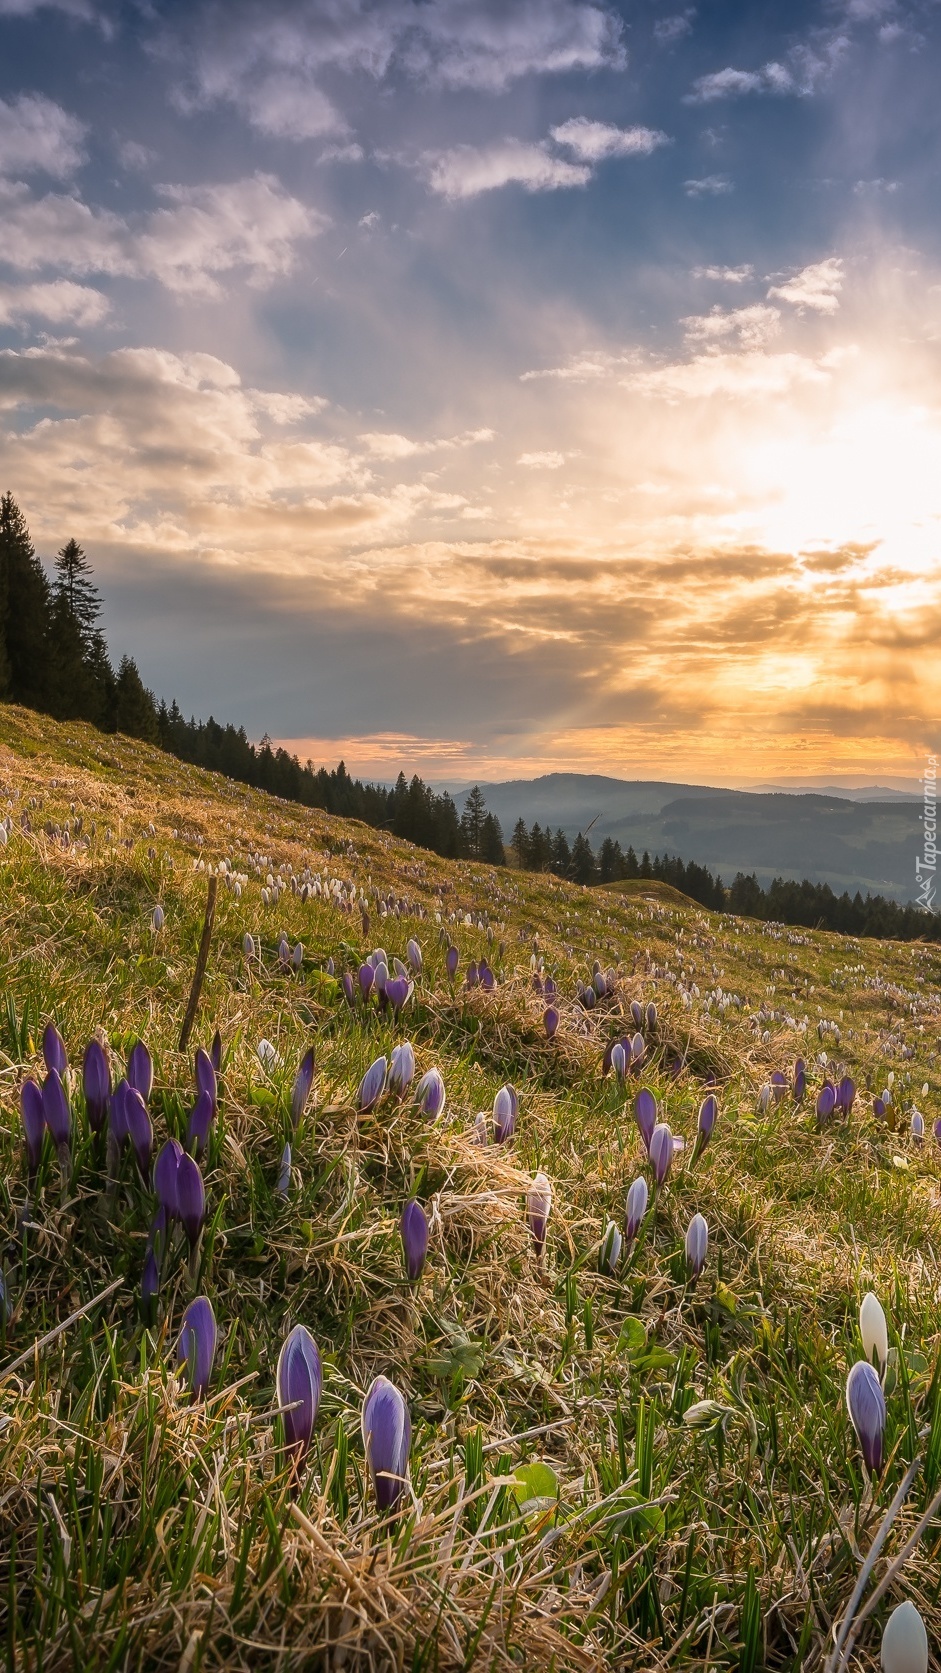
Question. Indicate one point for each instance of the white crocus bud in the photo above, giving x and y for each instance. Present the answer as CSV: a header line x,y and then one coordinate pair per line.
x,y
905,1641
874,1332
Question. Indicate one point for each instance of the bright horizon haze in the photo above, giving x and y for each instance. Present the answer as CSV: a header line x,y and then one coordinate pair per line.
x,y
491,389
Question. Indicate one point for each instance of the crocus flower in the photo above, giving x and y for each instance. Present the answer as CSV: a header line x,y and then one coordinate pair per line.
x,y
367,976
638,1048
430,1095
549,988
764,1098
166,1169
936,1129
197,1348
905,1641
398,990
117,1120
847,1093
413,954
619,1061
284,1176
387,1439
372,1085
637,1198
248,947
298,1386
34,1124
215,1053
645,1114
139,1129
866,1405
452,959
874,1331
826,1101
708,1115
918,1126
778,1085
157,919
206,1077
414,1239
96,1082
401,1068
637,1012
599,984
650,1016
200,1121
697,1243
661,1151
550,1020
56,1112
480,1133
140,1070
303,1081
473,975
53,1050
538,1208
346,983
505,1111
610,1251
191,1198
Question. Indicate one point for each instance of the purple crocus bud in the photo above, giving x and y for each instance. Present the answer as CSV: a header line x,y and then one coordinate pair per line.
x,y
619,1060
800,1085
346,983
401,1068
610,1252
847,1093
505,1111
200,1121
638,1049
599,984
661,1151
387,1439
372,1085
538,1209
283,1186
637,1198
645,1114
53,1050
879,1108
117,1120
166,1170
215,1052
826,1101
139,1130
414,1239
697,1243
140,1070
637,1012
398,990
367,976
56,1112
865,1402
96,1083
918,1127
473,975
413,954
303,1082
588,997
298,1387
708,1115
550,1021
34,1124
650,1016
191,1198
486,977
936,1129
778,1085
206,1077
550,989
452,959
430,1095
197,1347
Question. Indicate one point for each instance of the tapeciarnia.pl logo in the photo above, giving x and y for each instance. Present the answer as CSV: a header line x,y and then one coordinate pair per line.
x,y
927,865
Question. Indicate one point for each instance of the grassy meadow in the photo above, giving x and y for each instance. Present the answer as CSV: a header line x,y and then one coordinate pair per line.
x,y
622,1469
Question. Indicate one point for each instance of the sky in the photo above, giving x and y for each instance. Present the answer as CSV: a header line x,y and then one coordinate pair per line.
x,y
491,387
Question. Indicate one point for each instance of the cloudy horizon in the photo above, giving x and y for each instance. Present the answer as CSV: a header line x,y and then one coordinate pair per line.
x,y
491,389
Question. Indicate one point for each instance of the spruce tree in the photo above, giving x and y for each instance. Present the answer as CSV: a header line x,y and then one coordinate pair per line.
x,y
73,584
491,842
583,860
135,709
24,599
520,844
472,822
560,858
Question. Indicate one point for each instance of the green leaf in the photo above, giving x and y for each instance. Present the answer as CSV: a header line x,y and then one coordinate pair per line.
x,y
633,1338
534,1485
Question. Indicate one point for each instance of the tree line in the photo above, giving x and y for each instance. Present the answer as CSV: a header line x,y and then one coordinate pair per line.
x,y
54,658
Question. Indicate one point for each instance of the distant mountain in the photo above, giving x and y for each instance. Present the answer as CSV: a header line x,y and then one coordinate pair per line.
x,y
866,845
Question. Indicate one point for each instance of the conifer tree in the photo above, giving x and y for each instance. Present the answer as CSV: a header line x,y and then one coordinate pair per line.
x,y
74,585
520,844
135,709
24,600
491,841
472,822
583,860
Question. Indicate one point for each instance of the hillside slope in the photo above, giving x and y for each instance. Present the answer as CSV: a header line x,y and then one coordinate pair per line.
x,y
628,1468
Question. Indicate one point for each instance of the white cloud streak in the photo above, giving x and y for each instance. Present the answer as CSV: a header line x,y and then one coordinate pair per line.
x,y
37,135
465,171
816,287
593,142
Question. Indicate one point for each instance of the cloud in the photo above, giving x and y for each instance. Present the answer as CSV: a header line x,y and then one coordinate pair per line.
x,y
61,302
726,84
38,135
83,10
341,154
725,275
749,376
542,461
392,446
582,368
809,65
712,185
816,287
667,30
370,220
754,327
271,67
136,157
251,225
875,188
592,142
465,171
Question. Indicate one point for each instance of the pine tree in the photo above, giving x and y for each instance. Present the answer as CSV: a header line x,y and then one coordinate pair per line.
x,y
610,861
24,600
472,822
135,709
583,860
520,844
73,583
491,842
560,857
